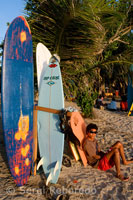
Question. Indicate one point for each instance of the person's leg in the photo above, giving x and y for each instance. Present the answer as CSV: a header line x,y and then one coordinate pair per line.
x,y
119,145
110,154
115,156
116,159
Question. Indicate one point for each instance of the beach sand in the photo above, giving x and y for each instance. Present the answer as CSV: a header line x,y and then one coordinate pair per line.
x,y
77,182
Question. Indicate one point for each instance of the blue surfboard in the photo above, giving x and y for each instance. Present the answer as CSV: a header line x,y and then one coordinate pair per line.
x,y
130,88
17,99
50,137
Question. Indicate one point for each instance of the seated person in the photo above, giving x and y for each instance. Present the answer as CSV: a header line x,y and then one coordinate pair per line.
x,y
123,103
100,160
123,106
112,105
99,102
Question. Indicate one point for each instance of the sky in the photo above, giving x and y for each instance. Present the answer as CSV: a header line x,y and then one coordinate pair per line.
x,y
9,10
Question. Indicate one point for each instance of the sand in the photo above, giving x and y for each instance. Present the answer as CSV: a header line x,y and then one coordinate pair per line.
x,y
77,182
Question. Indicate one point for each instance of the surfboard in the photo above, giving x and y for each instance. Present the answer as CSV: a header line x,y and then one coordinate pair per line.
x,y
17,99
43,56
131,110
50,137
79,128
130,89
74,150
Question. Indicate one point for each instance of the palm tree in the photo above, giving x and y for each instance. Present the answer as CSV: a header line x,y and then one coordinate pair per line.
x,y
76,30
83,33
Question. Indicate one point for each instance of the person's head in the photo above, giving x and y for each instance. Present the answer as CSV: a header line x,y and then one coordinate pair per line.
x,y
91,130
100,96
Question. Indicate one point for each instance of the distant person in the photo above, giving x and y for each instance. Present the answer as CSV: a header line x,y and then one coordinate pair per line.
x,y
123,103
99,102
100,160
112,106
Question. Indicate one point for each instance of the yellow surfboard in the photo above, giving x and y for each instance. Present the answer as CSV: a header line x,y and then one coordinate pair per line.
x,y
131,110
74,151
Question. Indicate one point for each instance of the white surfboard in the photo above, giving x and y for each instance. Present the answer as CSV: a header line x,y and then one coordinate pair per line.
x,y
43,56
50,137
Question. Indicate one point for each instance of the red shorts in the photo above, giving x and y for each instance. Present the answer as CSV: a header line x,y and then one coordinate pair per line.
x,y
105,164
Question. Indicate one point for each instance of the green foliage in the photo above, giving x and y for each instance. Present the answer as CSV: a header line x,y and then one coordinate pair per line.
x,y
85,100
70,90
91,37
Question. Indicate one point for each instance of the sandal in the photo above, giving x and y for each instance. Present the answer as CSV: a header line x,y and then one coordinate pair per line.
x,y
122,178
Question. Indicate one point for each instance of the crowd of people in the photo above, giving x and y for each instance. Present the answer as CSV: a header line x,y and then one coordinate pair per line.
x,y
112,105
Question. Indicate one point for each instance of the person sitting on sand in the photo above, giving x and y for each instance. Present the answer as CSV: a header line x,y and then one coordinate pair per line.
x,y
99,102
123,103
112,106
100,160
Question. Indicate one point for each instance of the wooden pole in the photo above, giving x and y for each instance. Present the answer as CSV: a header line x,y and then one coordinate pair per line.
x,y
50,110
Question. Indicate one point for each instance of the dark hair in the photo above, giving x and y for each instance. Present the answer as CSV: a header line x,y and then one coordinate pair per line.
x,y
124,98
100,96
91,126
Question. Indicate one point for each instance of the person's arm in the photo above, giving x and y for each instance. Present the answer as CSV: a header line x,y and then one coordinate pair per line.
x,y
99,152
98,149
97,157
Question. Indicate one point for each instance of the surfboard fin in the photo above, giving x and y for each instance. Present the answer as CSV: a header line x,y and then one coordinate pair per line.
x,y
49,179
40,163
56,167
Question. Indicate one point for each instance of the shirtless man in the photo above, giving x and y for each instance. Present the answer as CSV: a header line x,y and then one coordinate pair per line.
x,y
100,160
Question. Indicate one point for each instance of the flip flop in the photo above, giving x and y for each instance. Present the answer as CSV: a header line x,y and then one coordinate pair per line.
x,y
122,178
